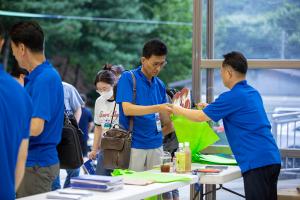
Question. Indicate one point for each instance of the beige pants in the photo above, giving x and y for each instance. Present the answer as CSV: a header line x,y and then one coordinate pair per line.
x,y
144,159
37,180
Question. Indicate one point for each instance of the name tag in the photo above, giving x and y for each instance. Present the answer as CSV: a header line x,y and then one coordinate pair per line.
x,y
158,122
106,125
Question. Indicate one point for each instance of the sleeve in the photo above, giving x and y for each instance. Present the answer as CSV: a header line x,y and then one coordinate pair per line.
x,y
164,95
41,100
124,88
96,114
28,115
223,106
90,117
75,99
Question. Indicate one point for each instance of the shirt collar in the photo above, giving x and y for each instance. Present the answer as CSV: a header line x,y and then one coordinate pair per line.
x,y
34,73
243,82
142,75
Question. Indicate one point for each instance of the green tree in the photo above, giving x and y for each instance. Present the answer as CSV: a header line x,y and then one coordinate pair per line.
x,y
177,37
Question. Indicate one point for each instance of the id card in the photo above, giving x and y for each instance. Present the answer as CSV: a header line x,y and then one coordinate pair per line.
x,y
107,125
158,122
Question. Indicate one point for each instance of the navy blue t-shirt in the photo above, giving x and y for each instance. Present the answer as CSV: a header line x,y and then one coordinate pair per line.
x,y
15,116
145,133
45,88
247,127
85,119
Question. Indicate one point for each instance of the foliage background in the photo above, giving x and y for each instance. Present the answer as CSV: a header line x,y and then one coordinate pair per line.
x,y
79,48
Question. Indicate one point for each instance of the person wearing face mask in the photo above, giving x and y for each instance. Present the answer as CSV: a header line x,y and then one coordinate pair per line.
x,y
105,110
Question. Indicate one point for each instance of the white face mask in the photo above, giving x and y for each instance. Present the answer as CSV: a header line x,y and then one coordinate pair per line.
x,y
107,95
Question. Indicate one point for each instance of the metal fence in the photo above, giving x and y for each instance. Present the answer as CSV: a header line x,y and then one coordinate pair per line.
x,y
286,130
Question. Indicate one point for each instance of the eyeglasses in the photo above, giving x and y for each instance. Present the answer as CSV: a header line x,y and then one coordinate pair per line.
x,y
157,64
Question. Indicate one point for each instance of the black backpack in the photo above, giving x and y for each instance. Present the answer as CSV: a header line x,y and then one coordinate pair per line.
x,y
69,149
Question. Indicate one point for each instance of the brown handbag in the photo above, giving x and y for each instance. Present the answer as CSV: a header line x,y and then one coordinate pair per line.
x,y
116,142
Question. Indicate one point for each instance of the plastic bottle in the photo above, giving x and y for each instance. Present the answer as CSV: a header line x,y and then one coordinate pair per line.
x,y
174,163
188,157
180,159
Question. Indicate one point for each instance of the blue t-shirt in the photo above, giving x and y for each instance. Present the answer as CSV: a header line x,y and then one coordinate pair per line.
x,y
15,116
145,133
247,127
45,88
85,119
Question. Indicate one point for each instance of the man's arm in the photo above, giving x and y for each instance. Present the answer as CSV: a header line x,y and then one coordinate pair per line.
x,y
20,168
167,124
77,114
36,126
194,115
137,110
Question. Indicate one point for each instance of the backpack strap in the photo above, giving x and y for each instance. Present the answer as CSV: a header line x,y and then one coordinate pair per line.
x,y
133,100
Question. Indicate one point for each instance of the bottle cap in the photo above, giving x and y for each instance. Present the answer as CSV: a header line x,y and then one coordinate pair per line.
x,y
187,144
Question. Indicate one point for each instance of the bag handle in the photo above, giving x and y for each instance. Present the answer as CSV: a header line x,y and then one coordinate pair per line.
x,y
133,101
112,115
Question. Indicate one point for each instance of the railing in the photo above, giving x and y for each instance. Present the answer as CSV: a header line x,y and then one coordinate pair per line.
x,y
285,129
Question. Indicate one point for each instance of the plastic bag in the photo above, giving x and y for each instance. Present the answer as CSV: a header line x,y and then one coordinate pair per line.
x,y
199,134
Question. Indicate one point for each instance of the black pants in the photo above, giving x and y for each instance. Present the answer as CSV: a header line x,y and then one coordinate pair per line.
x,y
261,183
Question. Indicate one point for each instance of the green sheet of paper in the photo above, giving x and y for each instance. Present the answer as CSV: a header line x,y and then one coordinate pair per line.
x,y
199,134
156,177
213,159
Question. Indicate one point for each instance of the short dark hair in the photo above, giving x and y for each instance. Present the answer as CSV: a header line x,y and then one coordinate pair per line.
x,y
154,47
17,71
29,33
237,61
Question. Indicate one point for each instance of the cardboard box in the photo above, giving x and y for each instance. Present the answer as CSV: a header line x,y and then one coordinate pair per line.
x,y
288,194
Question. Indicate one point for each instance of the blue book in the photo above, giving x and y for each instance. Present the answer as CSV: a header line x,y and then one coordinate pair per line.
x,y
109,180
99,187
89,167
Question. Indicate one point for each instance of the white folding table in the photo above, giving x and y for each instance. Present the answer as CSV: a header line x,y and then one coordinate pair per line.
x,y
209,182
130,192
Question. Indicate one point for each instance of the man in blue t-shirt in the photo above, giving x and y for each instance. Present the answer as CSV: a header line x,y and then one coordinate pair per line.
x,y
149,108
44,86
247,129
15,116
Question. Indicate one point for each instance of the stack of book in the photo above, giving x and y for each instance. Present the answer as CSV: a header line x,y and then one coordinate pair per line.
x,y
68,193
95,182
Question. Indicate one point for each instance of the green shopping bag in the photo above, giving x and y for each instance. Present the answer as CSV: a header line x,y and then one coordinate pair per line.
x,y
199,134
212,159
